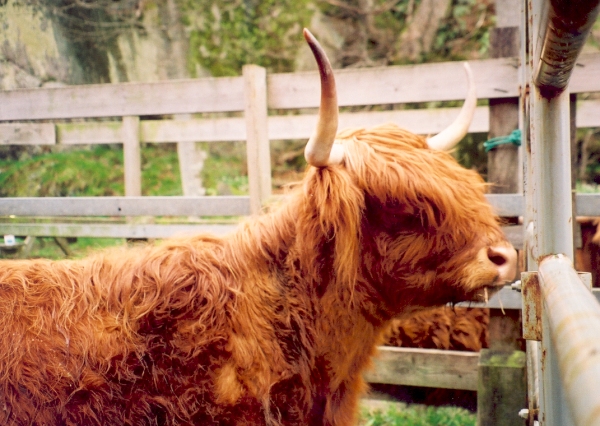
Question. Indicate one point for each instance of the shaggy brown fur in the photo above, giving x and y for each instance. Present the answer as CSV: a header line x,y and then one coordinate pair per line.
x,y
451,328
587,258
458,329
273,324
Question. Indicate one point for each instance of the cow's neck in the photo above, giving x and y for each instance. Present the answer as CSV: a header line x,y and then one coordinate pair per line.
x,y
345,322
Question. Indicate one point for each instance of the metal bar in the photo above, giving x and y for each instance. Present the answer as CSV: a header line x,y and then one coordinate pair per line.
x,y
572,319
565,27
126,206
550,158
552,49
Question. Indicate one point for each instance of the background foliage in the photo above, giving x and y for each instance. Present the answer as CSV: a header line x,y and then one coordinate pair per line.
x,y
225,35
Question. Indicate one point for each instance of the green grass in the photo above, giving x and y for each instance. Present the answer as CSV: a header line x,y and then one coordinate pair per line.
x,y
47,248
90,172
417,415
587,188
98,171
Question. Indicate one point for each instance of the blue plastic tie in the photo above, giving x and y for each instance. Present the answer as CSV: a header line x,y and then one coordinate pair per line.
x,y
514,138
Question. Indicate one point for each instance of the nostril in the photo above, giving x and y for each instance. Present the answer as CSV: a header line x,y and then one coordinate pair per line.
x,y
498,260
504,258
496,257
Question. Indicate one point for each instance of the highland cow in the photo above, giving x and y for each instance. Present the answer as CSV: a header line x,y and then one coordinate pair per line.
x,y
273,324
451,328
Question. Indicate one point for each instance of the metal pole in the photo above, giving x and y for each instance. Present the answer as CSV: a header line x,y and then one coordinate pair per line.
x,y
572,321
567,24
549,206
555,33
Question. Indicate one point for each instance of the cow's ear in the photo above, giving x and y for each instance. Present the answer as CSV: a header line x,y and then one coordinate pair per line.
x,y
331,217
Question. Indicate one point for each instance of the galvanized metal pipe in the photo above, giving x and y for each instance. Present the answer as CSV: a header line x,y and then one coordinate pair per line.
x,y
556,32
550,185
573,322
567,26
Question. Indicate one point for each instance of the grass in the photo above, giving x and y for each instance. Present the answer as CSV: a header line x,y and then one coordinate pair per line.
x,y
90,172
83,246
417,415
587,188
45,247
98,171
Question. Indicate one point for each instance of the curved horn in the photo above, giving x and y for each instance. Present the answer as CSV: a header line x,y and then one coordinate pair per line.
x,y
451,135
318,151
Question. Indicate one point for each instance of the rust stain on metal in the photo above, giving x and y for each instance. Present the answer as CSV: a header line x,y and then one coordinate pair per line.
x,y
532,307
541,258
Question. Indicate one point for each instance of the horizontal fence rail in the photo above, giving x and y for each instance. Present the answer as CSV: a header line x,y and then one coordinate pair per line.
x,y
280,127
494,78
112,100
126,206
425,367
114,230
504,205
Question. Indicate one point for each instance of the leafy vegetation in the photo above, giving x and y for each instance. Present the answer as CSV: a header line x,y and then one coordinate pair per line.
x,y
225,35
95,172
418,415
99,172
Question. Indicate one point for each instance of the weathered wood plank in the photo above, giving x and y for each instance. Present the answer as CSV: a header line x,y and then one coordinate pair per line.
x,y
112,230
495,78
27,134
506,299
503,161
194,130
587,204
125,206
132,156
155,131
420,121
257,140
443,81
502,389
585,74
89,132
117,100
588,113
425,367
508,205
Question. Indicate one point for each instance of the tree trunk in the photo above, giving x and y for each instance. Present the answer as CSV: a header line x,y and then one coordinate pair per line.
x,y
174,66
418,37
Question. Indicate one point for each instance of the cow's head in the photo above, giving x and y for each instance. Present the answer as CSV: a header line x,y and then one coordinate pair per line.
x,y
401,216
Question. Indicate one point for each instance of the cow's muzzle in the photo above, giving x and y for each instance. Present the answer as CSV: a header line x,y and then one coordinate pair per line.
x,y
503,257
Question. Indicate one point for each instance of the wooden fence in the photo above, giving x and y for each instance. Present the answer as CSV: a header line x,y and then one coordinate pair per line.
x,y
258,108
267,107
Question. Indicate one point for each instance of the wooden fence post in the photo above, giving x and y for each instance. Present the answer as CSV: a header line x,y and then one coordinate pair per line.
x,y
132,160
502,390
257,139
503,161
502,387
